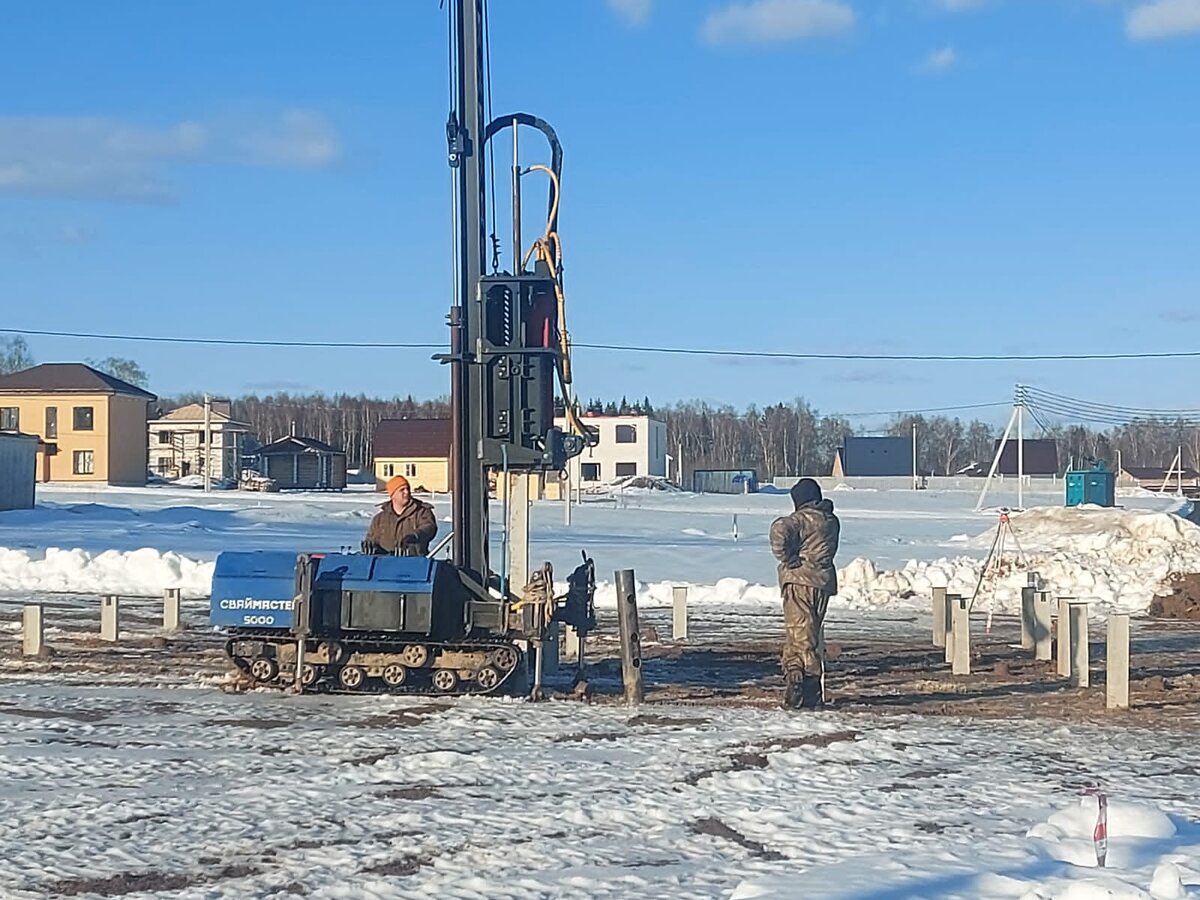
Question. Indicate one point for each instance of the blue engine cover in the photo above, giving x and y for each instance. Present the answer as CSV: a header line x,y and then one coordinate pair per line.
x,y
253,589
256,589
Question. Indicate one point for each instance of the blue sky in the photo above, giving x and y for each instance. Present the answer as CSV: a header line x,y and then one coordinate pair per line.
x,y
908,176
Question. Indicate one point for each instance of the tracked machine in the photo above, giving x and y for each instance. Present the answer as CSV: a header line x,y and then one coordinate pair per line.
x,y
360,622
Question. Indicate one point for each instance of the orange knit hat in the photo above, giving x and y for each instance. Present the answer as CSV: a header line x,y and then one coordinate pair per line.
x,y
395,483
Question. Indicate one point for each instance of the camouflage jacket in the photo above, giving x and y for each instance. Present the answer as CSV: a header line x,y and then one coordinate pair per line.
x,y
805,543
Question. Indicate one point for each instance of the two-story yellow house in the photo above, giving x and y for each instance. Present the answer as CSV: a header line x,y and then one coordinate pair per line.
x,y
418,449
91,426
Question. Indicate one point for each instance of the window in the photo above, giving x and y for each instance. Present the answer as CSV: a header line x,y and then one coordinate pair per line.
x,y
10,418
590,471
51,421
594,431
85,463
626,434
85,419
164,437
164,464
201,437
624,469
389,469
410,470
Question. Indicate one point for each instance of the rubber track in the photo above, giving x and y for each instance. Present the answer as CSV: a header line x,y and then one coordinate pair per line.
x,y
327,685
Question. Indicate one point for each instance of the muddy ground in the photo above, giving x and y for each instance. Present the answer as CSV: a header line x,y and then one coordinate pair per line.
x,y
886,666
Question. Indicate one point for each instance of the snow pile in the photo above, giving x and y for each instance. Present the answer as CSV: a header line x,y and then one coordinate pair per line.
x,y
1113,558
145,572
1146,860
1067,834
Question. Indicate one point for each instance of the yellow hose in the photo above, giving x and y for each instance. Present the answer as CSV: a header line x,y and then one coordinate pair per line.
x,y
549,250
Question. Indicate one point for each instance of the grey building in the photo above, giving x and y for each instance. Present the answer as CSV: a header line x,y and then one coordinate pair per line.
x,y
303,463
874,457
18,470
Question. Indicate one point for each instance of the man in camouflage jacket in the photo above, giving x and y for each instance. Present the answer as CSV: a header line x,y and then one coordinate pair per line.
x,y
805,543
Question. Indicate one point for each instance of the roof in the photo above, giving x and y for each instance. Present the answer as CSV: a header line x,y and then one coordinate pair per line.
x,y
412,438
295,444
19,436
1041,457
1157,473
68,378
193,413
877,456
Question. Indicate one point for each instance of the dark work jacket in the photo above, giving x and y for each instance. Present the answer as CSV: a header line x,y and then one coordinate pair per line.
x,y
406,533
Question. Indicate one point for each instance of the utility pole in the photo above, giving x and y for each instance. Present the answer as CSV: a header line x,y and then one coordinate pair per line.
x,y
915,478
207,462
1020,446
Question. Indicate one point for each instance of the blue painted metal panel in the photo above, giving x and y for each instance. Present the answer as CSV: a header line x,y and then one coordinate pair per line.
x,y
354,572
253,589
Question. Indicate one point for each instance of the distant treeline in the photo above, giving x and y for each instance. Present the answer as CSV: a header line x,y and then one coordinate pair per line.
x,y
782,439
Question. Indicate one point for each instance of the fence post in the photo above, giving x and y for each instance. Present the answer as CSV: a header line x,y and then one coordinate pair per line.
x,y
1028,619
940,608
33,633
569,646
1064,637
110,617
631,641
171,602
952,601
1116,662
679,612
1042,629
962,638
1080,666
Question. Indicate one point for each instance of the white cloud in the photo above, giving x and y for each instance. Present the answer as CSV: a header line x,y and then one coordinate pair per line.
x,y
1163,19
941,60
635,12
106,159
776,21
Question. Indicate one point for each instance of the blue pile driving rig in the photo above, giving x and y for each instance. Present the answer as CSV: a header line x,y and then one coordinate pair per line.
x,y
355,622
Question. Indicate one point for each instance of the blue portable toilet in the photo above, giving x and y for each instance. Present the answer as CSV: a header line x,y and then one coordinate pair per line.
x,y
1096,486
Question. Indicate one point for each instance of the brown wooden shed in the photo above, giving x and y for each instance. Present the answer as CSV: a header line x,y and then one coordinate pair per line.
x,y
300,463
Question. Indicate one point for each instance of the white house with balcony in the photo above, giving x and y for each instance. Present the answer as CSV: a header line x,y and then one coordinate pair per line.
x,y
627,446
180,445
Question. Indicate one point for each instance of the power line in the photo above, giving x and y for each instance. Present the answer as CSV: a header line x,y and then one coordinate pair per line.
x,y
934,409
624,348
230,342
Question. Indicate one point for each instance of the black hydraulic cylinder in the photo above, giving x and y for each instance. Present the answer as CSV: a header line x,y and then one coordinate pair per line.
x,y
631,642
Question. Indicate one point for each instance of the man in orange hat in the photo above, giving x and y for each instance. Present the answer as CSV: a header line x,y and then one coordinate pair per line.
x,y
404,525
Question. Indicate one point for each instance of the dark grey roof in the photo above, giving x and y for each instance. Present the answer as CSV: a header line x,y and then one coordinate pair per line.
x,y
295,444
68,378
1041,457
877,456
412,438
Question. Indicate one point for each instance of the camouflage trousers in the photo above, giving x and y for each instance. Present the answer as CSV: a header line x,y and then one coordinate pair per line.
x,y
804,630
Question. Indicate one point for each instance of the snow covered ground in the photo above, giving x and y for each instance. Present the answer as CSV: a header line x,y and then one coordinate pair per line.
x,y
896,546
191,793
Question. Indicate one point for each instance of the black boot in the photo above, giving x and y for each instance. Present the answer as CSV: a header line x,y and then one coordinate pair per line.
x,y
811,695
793,696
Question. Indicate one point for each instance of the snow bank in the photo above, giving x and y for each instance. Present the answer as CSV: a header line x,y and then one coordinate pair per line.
x,y
1114,559
134,572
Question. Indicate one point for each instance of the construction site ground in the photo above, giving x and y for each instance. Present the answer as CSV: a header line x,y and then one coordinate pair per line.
x,y
879,663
